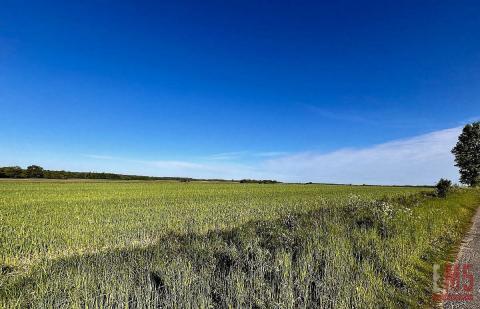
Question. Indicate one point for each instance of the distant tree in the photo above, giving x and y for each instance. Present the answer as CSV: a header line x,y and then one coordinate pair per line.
x,y
267,181
467,154
35,171
443,186
11,172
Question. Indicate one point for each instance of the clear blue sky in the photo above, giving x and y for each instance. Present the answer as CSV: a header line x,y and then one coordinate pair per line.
x,y
115,86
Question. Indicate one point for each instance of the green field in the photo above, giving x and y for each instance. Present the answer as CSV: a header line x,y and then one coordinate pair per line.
x,y
167,244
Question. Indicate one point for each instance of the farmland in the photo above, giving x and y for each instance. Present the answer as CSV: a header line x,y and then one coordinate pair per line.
x,y
168,244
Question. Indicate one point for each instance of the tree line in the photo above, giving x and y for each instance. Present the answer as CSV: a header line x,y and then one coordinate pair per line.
x,y
35,171
267,181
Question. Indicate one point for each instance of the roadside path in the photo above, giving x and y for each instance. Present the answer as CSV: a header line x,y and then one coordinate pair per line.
x,y
470,254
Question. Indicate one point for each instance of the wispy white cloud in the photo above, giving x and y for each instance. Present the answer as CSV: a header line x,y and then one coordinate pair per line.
x,y
176,164
419,160
272,154
228,169
225,156
239,155
217,170
378,118
340,116
100,157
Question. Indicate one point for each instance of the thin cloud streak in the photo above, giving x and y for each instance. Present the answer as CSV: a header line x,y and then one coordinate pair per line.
x,y
100,157
272,154
175,164
379,118
337,116
239,155
175,168
418,160
226,156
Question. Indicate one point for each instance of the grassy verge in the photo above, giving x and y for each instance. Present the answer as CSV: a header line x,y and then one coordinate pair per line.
x,y
360,254
449,255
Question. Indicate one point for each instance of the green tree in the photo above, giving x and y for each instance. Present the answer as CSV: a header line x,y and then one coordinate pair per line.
x,y
35,171
467,154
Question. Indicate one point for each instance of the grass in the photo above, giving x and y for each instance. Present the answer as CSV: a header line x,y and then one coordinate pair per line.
x,y
159,244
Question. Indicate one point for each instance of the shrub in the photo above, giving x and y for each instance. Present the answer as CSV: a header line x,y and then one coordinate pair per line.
x,y
443,187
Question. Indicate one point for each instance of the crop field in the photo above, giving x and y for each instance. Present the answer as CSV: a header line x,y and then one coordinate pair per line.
x,y
134,244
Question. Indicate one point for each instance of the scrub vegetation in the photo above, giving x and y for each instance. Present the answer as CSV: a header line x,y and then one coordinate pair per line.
x,y
74,244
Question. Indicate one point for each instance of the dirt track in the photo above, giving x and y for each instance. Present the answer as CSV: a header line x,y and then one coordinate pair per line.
x,y
469,254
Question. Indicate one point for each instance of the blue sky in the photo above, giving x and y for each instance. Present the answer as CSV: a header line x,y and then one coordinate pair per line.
x,y
234,89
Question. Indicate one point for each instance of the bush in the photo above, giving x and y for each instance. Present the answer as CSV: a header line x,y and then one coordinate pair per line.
x,y
443,187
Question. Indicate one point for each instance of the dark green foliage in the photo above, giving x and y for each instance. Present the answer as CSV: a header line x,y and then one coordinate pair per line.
x,y
34,171
467,154
11,172
443,187
267,181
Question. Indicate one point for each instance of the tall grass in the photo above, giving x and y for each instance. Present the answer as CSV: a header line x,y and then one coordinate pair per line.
x,y
131,245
